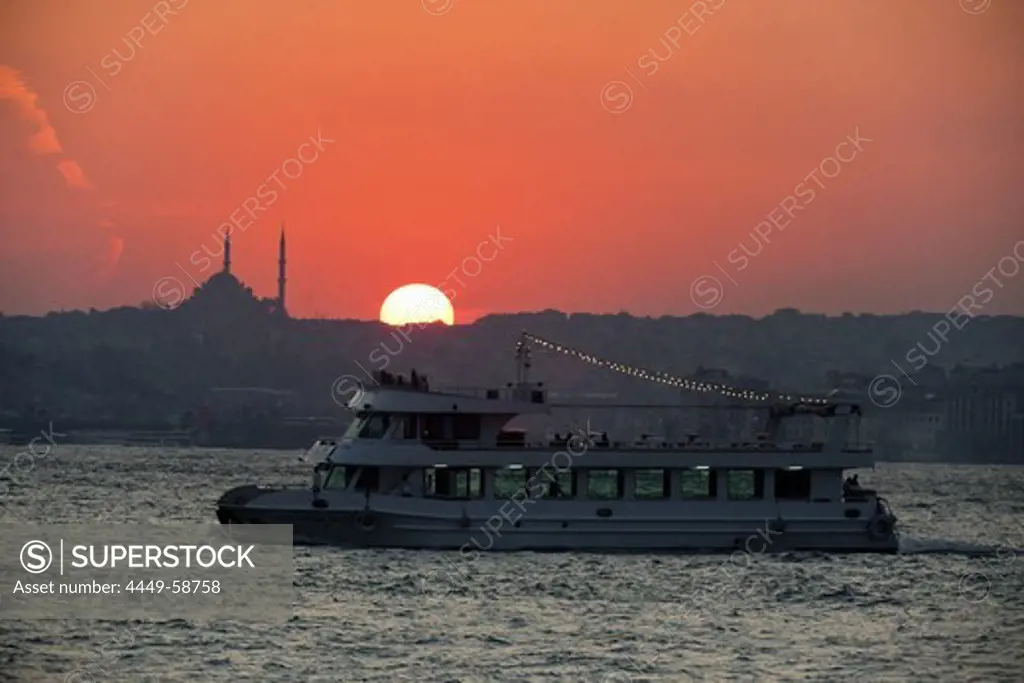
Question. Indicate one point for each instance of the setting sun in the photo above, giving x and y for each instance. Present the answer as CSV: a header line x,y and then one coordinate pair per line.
x,y
417,303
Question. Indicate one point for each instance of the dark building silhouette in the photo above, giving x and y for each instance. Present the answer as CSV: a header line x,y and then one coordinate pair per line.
x,y
224,295
985,413
280,277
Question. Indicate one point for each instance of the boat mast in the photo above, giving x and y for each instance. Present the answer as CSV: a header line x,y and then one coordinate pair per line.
x,y
522,361
775,416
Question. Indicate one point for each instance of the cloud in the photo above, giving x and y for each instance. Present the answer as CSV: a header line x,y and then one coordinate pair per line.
x,y
12,88
45,140
73,174
112,256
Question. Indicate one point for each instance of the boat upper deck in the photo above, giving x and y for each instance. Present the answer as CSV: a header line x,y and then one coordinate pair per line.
x,y
404,423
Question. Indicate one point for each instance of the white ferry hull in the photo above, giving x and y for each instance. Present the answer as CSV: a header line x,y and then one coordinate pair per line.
x,y
346,522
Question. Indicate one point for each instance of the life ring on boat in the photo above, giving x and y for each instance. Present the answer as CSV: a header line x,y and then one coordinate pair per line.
x,y
880,528
366,521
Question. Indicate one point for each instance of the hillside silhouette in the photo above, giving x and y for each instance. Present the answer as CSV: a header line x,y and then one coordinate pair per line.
x,y
139,366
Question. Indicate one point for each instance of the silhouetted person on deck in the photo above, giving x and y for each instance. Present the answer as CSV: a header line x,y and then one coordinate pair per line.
x,y
851,488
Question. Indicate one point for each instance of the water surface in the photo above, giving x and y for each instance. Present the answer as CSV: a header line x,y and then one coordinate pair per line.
x,y
393,615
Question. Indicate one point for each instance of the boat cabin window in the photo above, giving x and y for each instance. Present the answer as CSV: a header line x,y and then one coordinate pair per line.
x,y
745,484
369,479
509,482
652,484
409,430
453,482
605,484
793,485
474,482
546,482
698,483
340,477
354,426
466,427
432,427
375,426
557,484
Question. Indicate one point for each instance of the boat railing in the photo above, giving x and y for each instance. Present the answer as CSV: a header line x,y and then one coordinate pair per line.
x,y
475,392
529,394
682,446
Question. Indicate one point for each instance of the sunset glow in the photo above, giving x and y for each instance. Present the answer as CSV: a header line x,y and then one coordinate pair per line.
x,y
630,149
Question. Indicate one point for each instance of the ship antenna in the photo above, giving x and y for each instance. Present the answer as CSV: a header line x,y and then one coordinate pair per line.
x,y
522,360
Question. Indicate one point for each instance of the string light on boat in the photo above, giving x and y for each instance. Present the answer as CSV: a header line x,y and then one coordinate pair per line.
x,y
671,380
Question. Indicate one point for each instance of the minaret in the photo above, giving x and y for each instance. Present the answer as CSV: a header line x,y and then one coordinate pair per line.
x,y
227,253
280,276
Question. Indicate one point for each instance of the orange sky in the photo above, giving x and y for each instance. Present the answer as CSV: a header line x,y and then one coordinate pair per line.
x,y
490,114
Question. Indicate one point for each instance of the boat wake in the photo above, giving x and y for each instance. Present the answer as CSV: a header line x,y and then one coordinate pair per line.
x,y
921,546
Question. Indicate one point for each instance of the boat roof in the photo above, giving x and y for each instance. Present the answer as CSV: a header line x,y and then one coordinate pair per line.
x,y
508,401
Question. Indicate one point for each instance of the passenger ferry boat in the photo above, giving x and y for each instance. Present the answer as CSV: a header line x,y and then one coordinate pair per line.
x,y
419,468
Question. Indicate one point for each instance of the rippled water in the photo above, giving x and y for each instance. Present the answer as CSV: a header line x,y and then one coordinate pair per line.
x,y
391,615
